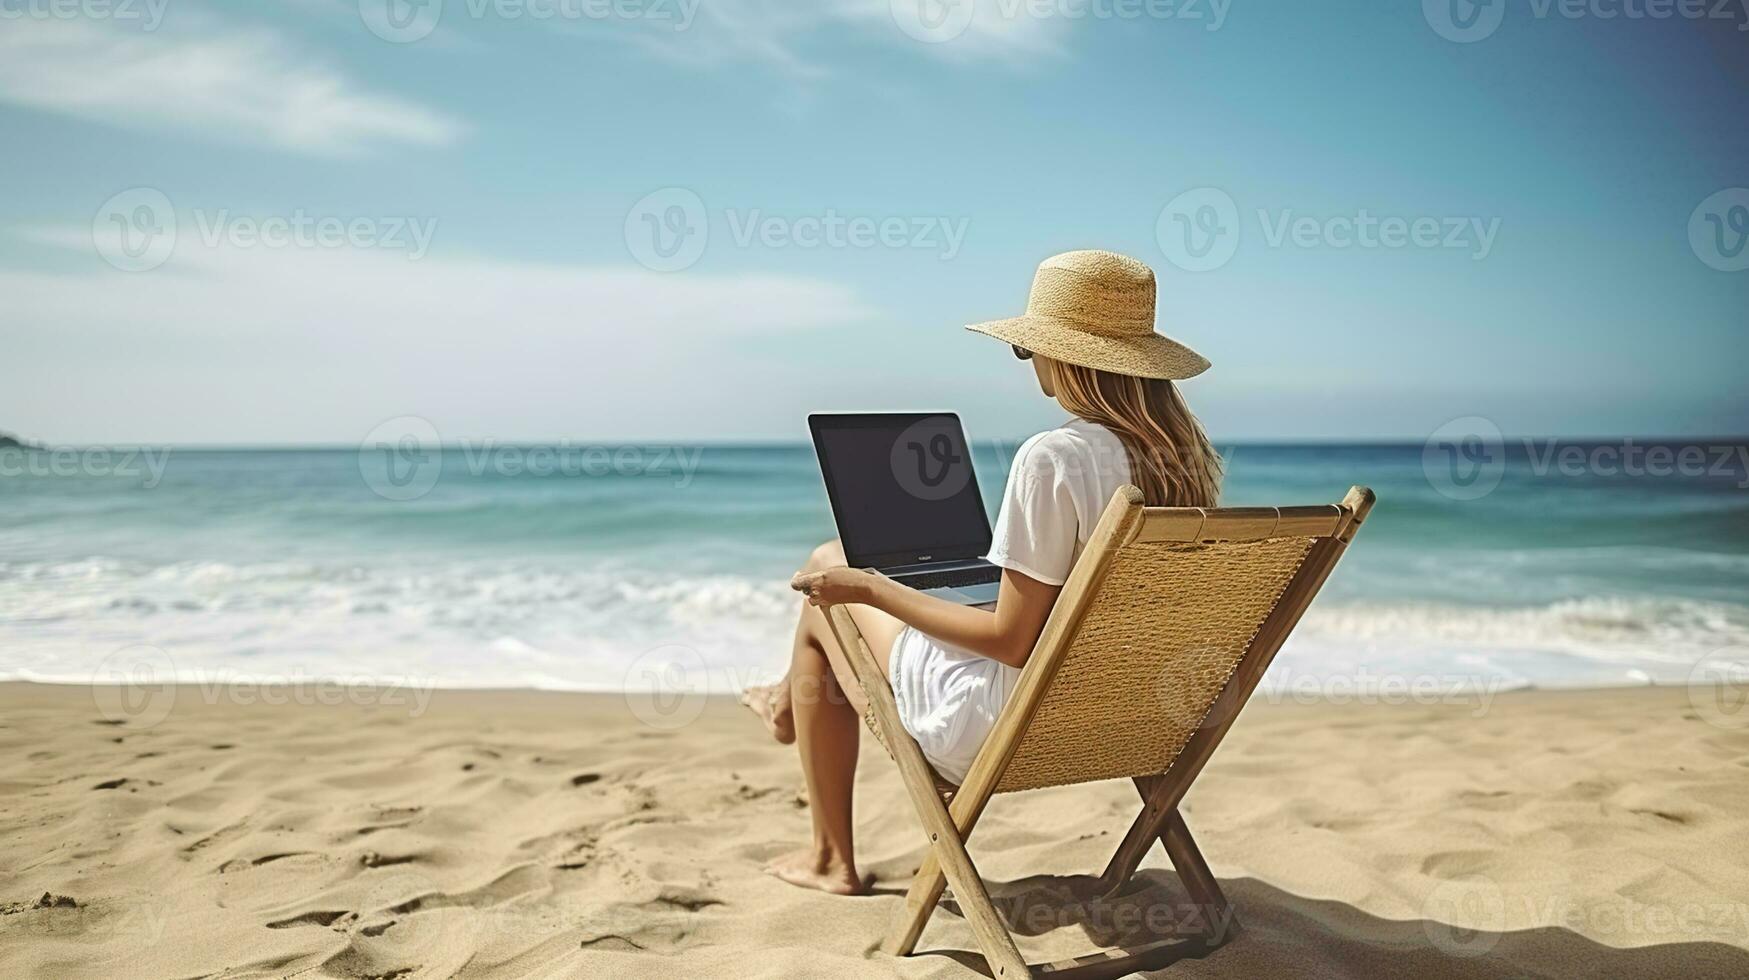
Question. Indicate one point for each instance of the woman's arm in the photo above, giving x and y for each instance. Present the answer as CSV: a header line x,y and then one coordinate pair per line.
x,y
1006,634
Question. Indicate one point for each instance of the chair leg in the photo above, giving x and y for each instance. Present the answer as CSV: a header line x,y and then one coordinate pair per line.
x,y
920,902
926,888
993,937
1199,881
1146,829
1165,824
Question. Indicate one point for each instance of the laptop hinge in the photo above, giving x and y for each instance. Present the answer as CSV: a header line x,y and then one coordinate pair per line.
x,y
948,565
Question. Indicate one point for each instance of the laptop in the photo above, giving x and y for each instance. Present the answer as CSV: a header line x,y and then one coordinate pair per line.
x,y
906,501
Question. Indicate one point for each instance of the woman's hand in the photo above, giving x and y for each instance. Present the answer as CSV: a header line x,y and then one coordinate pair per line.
x,y
834,586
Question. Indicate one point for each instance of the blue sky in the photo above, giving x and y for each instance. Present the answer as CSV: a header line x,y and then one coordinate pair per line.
x,y
495,167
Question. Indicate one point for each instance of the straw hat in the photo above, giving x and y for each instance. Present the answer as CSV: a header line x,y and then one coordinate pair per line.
x,y
1096,309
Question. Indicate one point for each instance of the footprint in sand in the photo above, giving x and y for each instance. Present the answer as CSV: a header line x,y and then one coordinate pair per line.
x,y
131,785
371,859
324,919
666,922
213,838
48,901
238,864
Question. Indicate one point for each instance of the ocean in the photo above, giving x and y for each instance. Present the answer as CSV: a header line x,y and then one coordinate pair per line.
x,y
600,568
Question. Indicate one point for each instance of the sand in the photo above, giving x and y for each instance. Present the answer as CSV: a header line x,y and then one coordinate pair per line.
x,y
522,834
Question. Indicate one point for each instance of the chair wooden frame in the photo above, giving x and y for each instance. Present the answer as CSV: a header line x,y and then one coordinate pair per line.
x,y
949,824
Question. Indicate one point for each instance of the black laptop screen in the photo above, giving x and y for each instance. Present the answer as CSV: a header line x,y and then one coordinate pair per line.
x,y
902,488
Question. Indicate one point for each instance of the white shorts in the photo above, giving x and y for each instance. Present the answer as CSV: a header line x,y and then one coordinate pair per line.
x,y
949,698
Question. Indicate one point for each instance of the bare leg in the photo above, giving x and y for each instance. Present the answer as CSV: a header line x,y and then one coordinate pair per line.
x,y
827,733
827,706
771,702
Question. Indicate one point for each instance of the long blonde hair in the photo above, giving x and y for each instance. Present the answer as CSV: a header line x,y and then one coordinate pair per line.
x,y
1171,459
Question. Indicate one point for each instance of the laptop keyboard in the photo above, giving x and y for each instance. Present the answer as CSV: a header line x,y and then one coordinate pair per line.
x,y
952,578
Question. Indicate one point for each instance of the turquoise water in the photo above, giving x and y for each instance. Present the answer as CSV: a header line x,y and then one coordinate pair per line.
x,y
278,563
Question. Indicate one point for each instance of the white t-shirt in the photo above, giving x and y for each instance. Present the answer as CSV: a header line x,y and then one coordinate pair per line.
x,y
1061,480
1057,489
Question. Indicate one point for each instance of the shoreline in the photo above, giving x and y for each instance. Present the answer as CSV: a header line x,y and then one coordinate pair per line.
x,y
1265,695
509,833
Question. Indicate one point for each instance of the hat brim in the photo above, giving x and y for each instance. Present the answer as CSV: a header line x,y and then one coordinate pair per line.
x,y
1152,356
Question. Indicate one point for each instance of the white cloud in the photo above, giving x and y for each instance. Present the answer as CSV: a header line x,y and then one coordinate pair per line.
x,y
252,87
795,36
256,344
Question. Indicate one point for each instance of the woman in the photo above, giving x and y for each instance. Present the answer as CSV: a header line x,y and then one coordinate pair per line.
x,y
1089,332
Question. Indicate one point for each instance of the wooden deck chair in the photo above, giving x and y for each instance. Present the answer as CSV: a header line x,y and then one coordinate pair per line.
x,y
1157,639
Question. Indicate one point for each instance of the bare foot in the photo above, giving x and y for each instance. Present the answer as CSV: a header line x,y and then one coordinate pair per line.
x,y
771,703
806,869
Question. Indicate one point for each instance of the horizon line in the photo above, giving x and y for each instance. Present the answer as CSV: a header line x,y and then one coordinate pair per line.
x,y
793,443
